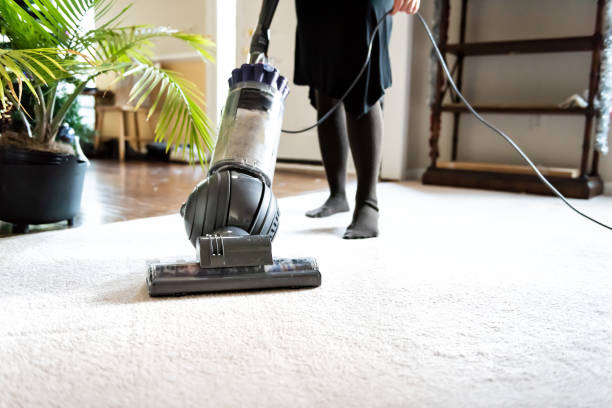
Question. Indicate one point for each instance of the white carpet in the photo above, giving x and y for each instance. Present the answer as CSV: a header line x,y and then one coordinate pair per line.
x,y
468,298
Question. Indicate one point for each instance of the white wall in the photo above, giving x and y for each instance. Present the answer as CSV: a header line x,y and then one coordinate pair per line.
x,y
397,101
184,15
221,22
518,79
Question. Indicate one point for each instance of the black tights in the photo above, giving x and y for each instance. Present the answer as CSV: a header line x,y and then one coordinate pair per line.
x,y
364,136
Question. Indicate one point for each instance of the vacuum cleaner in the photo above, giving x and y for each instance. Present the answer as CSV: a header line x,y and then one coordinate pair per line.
x,y
232,216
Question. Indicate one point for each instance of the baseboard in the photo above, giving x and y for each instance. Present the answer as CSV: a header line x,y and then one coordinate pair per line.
x,y
414,174
307,166
417,174
581,187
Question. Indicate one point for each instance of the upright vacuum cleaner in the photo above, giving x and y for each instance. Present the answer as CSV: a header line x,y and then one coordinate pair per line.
x,y
232,216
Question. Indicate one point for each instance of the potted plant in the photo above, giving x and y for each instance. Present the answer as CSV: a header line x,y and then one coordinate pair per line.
x,y
43,47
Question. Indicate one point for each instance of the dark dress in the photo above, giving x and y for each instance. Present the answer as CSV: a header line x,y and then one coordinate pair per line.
x,y
331,46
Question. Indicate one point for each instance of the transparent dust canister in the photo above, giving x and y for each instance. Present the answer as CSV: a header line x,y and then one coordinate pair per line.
x,y
250,129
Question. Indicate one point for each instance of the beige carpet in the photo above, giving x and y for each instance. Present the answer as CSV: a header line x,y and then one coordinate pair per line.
x,y
468,298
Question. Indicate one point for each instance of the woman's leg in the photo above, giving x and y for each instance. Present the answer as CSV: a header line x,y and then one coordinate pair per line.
x,y
333,143
365,138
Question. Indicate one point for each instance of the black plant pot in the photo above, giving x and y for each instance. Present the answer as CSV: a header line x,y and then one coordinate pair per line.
x,y
39,187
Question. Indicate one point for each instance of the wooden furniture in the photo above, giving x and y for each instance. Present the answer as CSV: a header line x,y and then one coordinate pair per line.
x,y
584,183
126,114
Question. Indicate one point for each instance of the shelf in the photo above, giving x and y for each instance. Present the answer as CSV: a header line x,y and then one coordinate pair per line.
x,y
517,109
571,182
508,168
580,187
567,44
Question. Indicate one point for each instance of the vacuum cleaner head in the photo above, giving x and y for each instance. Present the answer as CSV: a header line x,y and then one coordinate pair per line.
x,y
181,277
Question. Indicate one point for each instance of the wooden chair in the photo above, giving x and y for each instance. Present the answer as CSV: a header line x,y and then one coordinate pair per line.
x,y
126,113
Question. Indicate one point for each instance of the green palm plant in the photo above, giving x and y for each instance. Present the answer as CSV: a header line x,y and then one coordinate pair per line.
x,y
44,45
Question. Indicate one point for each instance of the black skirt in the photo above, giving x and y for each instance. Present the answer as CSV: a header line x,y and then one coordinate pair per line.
x,y
332,44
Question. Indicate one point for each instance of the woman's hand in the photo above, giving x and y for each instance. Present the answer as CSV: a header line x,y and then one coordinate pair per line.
x,y
407,6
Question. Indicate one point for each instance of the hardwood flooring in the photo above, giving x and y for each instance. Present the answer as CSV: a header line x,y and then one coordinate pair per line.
x,y
116,191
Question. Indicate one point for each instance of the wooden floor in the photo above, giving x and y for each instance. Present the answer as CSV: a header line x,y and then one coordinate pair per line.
x,y
116,191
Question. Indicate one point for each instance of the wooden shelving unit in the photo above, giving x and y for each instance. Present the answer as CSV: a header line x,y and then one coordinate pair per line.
x,y
585,182
518,110
567,44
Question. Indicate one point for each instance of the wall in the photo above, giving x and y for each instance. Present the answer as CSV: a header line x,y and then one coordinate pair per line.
x,y
184,15
520,79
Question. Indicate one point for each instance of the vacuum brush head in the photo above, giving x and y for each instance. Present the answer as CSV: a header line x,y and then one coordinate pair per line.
x,y
177,277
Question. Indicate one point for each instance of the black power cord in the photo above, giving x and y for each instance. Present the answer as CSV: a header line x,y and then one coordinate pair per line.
x,y
467,104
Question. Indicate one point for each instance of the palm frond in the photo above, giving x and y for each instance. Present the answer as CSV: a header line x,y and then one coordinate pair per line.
x,y
103,8
181,118
23,30
64,18
32,67
178,101
136,42
60,22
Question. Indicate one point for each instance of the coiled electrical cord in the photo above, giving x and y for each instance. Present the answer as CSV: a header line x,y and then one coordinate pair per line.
x,y
467,104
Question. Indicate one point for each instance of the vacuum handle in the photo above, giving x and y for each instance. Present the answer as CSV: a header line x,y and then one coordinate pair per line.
x,y
261,38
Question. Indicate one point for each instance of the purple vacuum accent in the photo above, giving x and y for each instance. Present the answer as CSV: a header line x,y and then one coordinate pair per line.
x,y
258,73
271,76
264,73
236,77
281,83
247,72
